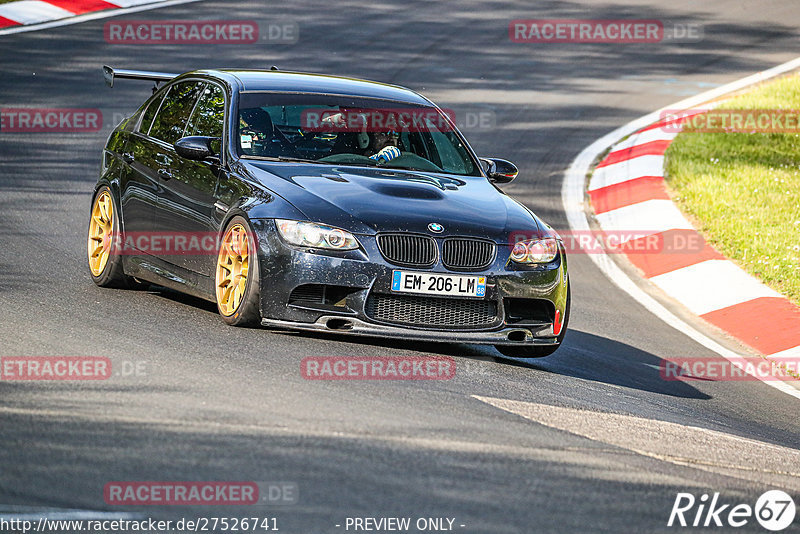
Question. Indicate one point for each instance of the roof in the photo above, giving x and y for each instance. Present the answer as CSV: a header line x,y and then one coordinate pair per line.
x,y
271,80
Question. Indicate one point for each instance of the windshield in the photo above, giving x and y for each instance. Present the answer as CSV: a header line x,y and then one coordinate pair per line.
x,y
350,131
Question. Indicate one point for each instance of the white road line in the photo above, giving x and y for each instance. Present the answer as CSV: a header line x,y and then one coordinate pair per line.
x,y
93,16
648,136
643,219
32,11
572,195
711,285
10,512
627,170
131,3
697,447
788,354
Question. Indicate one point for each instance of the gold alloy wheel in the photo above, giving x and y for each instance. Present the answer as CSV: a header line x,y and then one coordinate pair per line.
x,y
101,228
232,269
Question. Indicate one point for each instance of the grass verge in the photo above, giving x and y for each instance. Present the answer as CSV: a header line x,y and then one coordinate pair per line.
x,y
742,190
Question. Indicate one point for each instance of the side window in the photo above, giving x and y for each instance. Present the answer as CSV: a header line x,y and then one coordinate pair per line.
x,y
209,114
171,119
150,113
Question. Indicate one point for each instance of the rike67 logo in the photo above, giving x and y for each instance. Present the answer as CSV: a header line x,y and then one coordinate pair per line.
x,y
774,510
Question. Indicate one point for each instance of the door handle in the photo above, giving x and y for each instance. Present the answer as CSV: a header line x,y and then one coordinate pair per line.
x,y
127,157
165,174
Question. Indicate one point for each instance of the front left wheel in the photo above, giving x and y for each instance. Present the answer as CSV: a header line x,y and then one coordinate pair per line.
x,y
237,282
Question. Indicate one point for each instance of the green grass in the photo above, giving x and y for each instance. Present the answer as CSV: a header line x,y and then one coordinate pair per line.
x,y
742,190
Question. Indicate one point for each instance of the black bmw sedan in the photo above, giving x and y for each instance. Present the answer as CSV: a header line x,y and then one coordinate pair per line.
x,y
309,202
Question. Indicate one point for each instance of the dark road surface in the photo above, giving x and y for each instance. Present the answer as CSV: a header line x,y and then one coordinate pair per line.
x,y
221,403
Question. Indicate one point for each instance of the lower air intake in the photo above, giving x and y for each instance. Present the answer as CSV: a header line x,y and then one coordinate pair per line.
x,y
431,312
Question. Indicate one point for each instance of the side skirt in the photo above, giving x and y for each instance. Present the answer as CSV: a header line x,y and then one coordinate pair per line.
x,y
158,271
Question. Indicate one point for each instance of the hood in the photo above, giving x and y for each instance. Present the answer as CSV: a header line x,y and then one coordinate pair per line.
x,y
367,201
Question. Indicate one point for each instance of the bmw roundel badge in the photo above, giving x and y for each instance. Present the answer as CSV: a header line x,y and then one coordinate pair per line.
x,y
436,228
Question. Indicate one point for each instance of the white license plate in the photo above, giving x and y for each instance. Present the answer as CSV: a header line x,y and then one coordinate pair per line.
x,y
438,284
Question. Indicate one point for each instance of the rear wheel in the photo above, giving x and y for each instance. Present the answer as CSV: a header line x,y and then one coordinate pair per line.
x,y
539,351
237,278
105,261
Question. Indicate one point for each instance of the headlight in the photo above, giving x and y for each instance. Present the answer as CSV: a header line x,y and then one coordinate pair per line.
x,y
537,251
312,235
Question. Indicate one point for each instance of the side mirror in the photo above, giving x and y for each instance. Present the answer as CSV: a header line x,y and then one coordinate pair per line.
x,y
499,171
195,147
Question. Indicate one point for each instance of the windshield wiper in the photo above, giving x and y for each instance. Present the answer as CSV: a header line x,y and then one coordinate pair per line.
x,y
279,158
351,163
370,163
411,168
299,160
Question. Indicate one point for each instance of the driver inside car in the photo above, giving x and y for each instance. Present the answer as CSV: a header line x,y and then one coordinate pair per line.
x,y
384,146
379,146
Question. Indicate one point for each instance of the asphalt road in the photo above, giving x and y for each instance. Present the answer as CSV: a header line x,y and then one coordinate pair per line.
x,y
219,403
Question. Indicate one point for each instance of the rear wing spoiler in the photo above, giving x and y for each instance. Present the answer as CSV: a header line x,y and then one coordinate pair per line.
x,y
110,73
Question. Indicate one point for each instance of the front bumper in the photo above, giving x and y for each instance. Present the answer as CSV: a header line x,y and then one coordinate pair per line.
x,y
363,273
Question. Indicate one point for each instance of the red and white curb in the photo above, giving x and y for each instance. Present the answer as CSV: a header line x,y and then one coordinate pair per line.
x,y
628,195
30,15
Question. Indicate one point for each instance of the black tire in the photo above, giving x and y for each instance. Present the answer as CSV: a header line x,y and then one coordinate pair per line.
x,y
540,351
248,312
112,274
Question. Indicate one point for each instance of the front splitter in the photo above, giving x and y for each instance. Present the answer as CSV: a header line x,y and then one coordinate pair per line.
x,y
527,335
